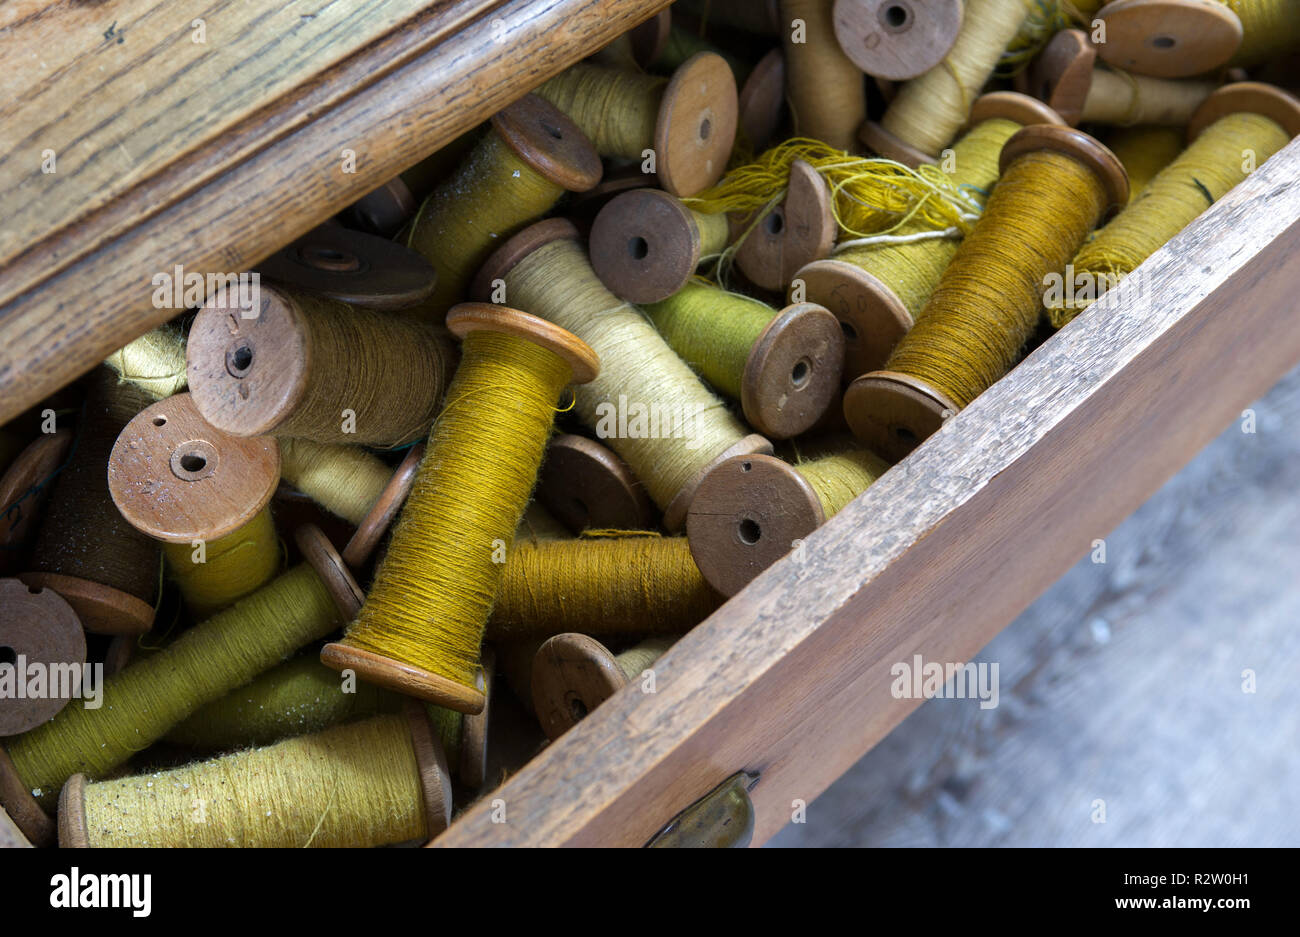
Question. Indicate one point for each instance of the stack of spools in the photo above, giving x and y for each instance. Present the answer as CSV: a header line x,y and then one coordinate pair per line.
x,y
540,404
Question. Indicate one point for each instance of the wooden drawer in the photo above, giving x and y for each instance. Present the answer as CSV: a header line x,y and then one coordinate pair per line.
x,y
790,679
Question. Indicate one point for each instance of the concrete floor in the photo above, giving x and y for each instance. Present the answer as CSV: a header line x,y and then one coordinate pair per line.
x,y
1122,687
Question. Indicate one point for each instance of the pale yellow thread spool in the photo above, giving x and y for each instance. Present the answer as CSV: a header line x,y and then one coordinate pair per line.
x,y
929,111
573,674
154,362
204,494
647,404
827,91
421,628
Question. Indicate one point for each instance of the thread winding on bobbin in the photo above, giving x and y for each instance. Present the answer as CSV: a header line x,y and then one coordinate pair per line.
x,y
154,362
827,92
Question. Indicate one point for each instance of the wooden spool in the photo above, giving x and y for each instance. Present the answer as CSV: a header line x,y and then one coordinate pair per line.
x,y
794,233
24,479
1169,38
893,413
880,141
897,39
37,626
407,678
870,313
471,767
572,675
384,511
550,143
649,38
748,513
1251,97
430,759
762,100
352,267
584,207
587,486
179,479
696,129
384,211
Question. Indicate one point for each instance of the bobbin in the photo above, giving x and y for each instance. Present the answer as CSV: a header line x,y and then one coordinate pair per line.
x,y
893,413
747,514
794,233
536,236
35,464
385,210
179,479
586,485
572,675
550,143
645,245
897,39
793,371
407,678
384,511
1169,38
697,122
352,267
471,766
37,626
880,141
762,100
870,313
1252,97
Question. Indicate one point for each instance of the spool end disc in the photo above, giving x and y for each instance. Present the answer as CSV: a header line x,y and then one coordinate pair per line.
x,y
1078,145
24,476
100,609
324,559
1169,38
38,627
385,210
896,39
872,318
697,124
648,39
176,477
675,513
793,371
1254,97
72,814
1012,105
883,143
474,317
513,251
384,511
546,139
1062,74
431,761
472,768
762,100
572,675
352,267
644,246
17,800
892,413
747,514
793,234
585,485
403,678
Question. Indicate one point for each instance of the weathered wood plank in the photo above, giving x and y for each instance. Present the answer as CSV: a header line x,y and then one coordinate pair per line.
x,y
791,678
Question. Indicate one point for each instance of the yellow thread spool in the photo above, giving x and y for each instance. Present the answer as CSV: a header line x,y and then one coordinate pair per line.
x,y
1240,122
877,290
625,584
369,783
205,663
784,367
1144,151
514,175
689,121
678,428
204,494
1056,184
752,510
827,92
154,362
573,674
317,369
421,627
929,111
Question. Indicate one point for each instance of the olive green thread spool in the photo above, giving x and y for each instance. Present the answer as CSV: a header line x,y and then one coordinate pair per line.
x,y
989,300
826,90
38,630
516,174
205,494
929,110
545,269
876,290
371,783
689,122
421,628
573,674
1241,121
316,369
897,39
1065,75
625,583
106,570
158,691
586,485
784,367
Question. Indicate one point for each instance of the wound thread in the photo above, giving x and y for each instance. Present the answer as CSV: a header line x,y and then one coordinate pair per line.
x,y
1120,98
840,477
618,110
345,480
637,660
1269,28
154,362
827,91
1145,151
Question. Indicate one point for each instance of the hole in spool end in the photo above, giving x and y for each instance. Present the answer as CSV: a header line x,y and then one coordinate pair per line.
x,y
577,709
895,16
193,460
1163,42
905,435
160,421
239,361
555,133
775,223
850,333
706,128
328,257
749,531
638,248
800,373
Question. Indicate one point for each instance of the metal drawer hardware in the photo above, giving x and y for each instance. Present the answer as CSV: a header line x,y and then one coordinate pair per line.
x,y
721,819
